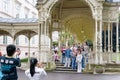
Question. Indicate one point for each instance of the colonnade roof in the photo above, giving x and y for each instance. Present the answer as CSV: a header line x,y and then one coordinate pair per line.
x,y
18,20
18,26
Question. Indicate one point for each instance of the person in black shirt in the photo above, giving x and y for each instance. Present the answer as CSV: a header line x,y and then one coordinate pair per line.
x,y
8,64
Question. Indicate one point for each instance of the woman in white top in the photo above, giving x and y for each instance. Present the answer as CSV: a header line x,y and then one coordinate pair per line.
x,y
79,61
36,72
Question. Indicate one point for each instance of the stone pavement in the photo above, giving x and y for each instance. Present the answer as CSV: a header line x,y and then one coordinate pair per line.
x,y
71,76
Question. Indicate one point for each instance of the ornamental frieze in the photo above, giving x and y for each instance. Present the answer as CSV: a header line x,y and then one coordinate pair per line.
x,y
110,14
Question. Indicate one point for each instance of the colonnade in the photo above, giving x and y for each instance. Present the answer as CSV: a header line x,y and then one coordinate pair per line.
x,y
108,41
98,16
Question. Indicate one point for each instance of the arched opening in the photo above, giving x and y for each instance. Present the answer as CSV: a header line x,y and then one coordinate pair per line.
x,y
26,35
75,17
4,37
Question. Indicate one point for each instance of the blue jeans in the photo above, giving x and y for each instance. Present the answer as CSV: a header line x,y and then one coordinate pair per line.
x,y
86,56
63,59
83,62
73,62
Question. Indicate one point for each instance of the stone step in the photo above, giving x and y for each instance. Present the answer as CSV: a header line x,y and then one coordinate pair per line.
x,y
64,69
60,66
112,69
74,72
65,72
112,65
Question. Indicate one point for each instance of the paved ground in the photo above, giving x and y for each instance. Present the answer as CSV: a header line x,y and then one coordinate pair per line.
x,y
67,76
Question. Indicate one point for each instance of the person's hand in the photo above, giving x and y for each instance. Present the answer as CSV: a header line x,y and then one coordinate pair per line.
x,y
40,65
18,52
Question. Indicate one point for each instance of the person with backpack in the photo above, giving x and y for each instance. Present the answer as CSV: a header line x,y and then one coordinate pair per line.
x,y
36,71
8,64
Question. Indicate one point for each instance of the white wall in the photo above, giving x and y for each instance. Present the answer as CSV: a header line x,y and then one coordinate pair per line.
x,y
12,9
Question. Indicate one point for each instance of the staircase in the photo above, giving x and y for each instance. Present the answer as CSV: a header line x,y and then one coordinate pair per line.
x,y
109,68
60,68
112,68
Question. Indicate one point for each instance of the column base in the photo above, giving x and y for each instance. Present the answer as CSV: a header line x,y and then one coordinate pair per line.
x,y
49,66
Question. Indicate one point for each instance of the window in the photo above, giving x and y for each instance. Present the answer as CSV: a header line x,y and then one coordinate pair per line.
x,y
26,12
17,7
33,15
6,4
17,41
33,40
34,2
17,15
33,53
4,39
26,16
26,54
26,40
27,0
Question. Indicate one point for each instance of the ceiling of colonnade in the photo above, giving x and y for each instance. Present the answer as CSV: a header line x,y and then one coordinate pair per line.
x,y
75,15
2,32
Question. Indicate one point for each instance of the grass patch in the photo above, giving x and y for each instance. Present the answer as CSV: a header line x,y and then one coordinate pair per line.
x,y
25,60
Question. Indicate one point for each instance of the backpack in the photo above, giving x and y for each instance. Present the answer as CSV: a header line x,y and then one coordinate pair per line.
x,y
6,69
1,75
6,66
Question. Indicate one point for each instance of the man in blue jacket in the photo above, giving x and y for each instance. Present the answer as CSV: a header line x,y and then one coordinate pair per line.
x,y
67,56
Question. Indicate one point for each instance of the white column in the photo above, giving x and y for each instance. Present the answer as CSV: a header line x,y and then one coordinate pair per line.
x,y
109,58
105,39
45,26
13,40
108,37
50,30
39,41
117,43
29,50
45,45
111,38
101,57
96,50
59,33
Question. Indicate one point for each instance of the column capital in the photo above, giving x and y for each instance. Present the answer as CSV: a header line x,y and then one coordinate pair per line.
x,y
43,14
98,12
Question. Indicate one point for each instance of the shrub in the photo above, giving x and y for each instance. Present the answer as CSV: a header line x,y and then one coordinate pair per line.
x,y
24,60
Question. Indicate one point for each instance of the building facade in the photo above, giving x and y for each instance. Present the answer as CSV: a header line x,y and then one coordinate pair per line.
x,y
18,9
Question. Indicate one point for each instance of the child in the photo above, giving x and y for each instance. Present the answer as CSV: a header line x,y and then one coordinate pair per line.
x,y
36,71
79,60
56,57
8,64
